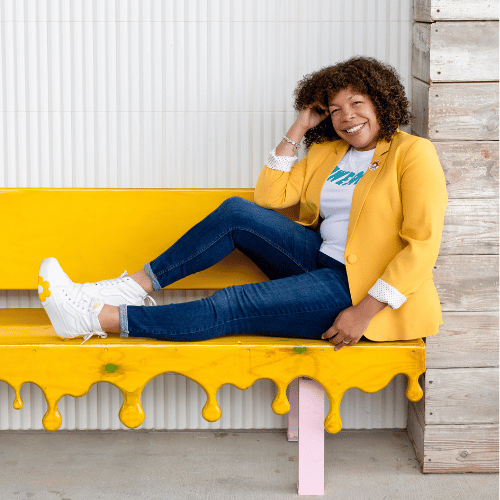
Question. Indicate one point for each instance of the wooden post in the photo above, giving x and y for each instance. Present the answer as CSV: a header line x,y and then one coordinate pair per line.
x,y
293,414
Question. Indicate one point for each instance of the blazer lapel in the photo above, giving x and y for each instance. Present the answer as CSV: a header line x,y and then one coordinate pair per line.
x,y
326,167
364,185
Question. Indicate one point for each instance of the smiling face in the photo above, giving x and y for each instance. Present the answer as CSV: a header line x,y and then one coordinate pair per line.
x,y
354,119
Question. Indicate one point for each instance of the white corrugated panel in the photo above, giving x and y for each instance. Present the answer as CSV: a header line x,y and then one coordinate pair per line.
x,y
164,93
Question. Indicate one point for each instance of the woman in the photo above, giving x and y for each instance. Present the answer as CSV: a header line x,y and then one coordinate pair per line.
x,y
377,195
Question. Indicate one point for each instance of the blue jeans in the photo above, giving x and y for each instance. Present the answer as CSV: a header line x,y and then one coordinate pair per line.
x,y
306,291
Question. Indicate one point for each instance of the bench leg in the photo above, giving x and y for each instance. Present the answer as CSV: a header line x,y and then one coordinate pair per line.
x,y
311,438
293,414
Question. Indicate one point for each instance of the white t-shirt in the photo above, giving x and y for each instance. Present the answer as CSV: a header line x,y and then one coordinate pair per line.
x,y
336,200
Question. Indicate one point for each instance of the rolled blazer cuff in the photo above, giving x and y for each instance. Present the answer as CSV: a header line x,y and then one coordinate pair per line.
x,y
386,293
281,163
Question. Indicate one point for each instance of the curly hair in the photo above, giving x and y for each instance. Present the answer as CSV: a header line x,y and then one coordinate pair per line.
x,y
379,81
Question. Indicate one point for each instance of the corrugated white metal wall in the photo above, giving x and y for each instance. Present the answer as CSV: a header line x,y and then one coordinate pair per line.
x,y
164,93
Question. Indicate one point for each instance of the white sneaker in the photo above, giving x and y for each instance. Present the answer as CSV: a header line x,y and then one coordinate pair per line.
x,y
72,312
115,292
123,290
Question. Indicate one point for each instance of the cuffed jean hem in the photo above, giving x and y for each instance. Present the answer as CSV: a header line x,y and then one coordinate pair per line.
x,y
123,322
154,280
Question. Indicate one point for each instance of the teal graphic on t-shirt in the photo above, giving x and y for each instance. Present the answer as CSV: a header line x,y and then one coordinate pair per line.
x,y
344,178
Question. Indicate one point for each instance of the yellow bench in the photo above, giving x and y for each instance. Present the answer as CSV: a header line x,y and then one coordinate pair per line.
x,y
96,234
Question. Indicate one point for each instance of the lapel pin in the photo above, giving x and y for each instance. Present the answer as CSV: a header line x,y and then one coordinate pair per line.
x,y
374,165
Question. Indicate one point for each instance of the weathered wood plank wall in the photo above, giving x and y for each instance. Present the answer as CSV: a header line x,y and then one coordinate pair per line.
x,y
455,102
428,11
456,111
455,51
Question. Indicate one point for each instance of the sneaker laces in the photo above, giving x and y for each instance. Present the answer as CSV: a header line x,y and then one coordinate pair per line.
x,y
111,282
94,323
88,335
76,296
148,300
85,304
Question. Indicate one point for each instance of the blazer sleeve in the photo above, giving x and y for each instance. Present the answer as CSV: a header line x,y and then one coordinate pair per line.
x,y
276,189
424,200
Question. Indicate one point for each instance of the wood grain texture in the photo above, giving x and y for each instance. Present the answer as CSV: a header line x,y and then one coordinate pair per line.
x,y
470,227
452,448
461,396
455,51
419,406
460,118
465,340
460,448
420,108
467,283
421,49
415,431
459,10
455,111
470,168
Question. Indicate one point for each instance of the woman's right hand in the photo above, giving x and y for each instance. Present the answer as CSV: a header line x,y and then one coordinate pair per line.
x,y
309,116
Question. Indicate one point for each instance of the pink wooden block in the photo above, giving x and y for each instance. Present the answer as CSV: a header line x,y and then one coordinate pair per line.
x,y
311,438
293,414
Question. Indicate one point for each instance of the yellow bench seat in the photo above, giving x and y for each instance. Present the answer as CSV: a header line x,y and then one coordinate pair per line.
x,y
30,351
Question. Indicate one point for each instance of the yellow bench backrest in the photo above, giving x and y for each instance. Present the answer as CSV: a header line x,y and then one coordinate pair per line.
x,y
98,233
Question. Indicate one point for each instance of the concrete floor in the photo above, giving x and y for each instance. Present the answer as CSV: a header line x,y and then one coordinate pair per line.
x,y
378,465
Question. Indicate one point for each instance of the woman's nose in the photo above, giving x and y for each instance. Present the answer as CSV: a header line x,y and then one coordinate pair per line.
x,y
348,114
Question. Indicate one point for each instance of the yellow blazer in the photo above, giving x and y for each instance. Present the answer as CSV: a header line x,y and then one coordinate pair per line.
x,y
395,225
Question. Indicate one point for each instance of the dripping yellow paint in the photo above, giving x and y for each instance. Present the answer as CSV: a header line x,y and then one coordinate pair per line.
x,y
30,352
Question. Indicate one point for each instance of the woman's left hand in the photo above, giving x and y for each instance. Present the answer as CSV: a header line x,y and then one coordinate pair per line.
x,y
347,328
352,322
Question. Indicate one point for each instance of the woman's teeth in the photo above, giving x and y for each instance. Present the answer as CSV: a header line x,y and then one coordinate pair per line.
x,y
354,129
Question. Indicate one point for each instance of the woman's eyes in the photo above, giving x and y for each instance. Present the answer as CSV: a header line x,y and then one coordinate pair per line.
x,y
332,111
